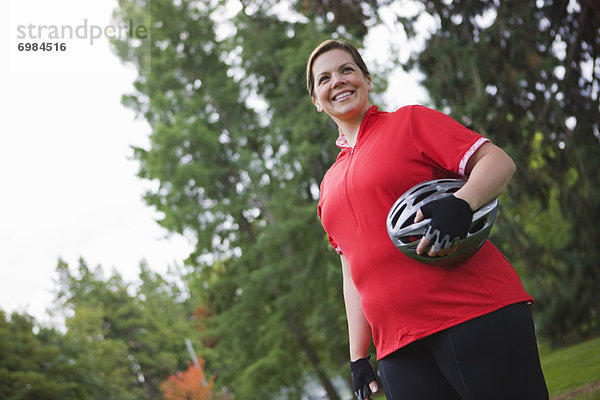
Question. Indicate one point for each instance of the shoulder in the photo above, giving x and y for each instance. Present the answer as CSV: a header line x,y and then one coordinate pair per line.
x,y
417,110
407,115
402,112
413,108
422,118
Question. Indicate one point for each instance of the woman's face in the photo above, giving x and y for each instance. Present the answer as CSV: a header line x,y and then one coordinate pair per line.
x,y
341,89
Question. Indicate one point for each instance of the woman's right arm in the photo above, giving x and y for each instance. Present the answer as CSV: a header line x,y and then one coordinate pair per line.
x,y
359,330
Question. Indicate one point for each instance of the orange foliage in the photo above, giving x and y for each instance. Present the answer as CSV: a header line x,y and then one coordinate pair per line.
x,y
202,313
188,385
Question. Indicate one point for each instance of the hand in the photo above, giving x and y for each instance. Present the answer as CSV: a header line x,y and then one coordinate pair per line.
x,y
450,222
363,378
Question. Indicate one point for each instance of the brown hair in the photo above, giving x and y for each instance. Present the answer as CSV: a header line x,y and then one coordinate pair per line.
x,y
324,48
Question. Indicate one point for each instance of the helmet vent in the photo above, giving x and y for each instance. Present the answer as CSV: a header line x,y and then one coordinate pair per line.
x,y
412,240
409,221
422,196
397,214
476,227
417,189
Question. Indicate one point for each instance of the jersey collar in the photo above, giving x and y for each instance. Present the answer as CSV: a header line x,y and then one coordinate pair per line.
x,y
342,141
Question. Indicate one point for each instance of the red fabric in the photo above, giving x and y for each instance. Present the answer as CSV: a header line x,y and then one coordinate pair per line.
x,y
402,299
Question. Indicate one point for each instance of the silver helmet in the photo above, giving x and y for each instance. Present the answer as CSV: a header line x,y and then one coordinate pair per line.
x,y
406,234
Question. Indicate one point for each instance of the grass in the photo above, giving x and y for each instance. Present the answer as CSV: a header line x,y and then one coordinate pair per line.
x,y
573,372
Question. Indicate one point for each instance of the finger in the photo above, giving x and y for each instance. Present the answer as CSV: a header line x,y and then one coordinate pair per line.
x,y
443,251
436,249
452,249
373,386
419,217
423,245
432,252
364,394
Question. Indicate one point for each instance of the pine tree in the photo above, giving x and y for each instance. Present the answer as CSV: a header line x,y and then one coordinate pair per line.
x,y
237,153
526,74
132,341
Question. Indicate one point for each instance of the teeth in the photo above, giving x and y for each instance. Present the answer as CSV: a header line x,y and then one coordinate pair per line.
x,y
342,96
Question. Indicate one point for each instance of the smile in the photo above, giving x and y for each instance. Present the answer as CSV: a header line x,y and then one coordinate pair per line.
x,y
342,95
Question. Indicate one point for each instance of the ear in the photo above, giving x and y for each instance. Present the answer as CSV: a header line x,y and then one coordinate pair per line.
x,y
317,104
369,85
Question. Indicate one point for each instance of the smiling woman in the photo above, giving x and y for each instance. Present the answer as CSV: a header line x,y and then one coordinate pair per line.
x,y
457,332
339,83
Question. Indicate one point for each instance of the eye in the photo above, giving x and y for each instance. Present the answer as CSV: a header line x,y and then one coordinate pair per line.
x,y
322,79
348,69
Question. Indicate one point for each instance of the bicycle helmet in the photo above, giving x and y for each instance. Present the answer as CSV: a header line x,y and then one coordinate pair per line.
x,y
406,234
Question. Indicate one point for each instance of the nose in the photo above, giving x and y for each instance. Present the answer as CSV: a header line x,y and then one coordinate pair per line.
x,y
337,80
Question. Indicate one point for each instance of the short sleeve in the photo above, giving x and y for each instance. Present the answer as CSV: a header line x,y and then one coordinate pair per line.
x,y
443,141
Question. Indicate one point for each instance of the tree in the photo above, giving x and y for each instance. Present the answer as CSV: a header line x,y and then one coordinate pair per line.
x,y
190,384
167,320
238,154
93,307
36,366
131,340
526,74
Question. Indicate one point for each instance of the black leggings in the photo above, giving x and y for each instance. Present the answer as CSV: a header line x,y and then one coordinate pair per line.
x,y
491,357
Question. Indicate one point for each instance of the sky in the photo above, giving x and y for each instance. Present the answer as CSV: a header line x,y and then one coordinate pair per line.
x,y
68,184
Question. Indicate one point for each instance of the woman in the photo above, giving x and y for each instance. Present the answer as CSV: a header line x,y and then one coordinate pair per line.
x,y
457,332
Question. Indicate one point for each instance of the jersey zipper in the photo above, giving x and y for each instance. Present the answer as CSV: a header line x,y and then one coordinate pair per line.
x,y
347,178
350,163
346,184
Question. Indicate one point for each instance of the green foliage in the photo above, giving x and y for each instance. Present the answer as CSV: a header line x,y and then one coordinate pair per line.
x,y
524,74
238,153
120,342
129,343
35,366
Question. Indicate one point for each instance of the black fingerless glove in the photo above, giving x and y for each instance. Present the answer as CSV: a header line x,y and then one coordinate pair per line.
x,y
362,375
450,221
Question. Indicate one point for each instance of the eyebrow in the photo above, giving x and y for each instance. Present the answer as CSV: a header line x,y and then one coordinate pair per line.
x,y
340,67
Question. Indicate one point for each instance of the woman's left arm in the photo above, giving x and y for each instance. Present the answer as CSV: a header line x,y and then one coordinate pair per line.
x,y
489,170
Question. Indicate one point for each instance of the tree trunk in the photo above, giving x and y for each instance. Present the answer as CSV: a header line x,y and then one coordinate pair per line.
x,y
312,357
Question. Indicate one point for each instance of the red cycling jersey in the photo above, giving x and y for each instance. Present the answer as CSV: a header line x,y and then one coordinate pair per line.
x,y
402,299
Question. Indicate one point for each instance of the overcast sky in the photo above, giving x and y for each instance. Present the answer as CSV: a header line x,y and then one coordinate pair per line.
x,y
68,186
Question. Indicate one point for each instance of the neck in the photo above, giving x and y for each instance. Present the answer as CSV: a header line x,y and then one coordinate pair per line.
x,y
350,127
351,133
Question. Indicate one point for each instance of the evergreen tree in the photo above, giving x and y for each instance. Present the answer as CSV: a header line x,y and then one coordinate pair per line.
x,y
37,366
238,154
132,341
526,74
